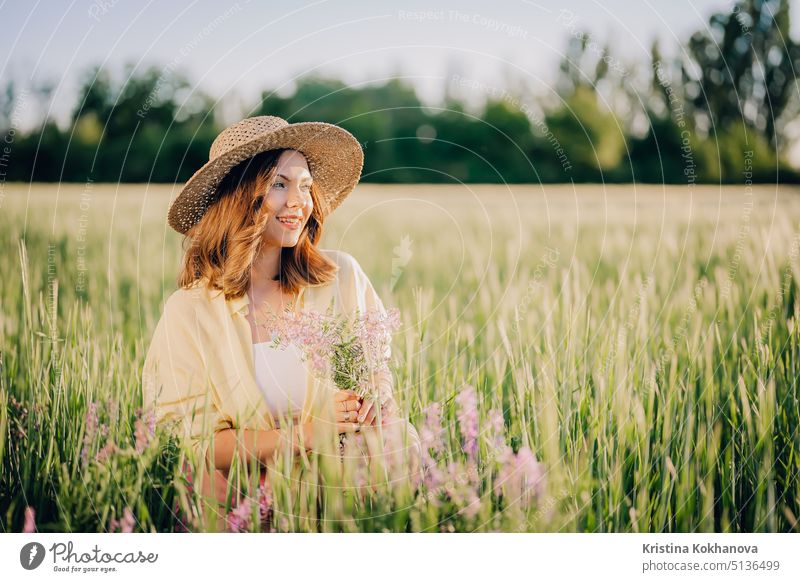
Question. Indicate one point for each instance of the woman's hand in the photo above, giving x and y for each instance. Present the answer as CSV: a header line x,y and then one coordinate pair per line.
x,y
368,413
346,404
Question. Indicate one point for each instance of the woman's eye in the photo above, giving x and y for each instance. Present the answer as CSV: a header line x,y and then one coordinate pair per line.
x,y
276,184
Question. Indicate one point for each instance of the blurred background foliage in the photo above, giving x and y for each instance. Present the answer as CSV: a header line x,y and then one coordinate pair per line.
x,y
731,89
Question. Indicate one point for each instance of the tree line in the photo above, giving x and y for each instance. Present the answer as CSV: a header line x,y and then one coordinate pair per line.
x,y
719,111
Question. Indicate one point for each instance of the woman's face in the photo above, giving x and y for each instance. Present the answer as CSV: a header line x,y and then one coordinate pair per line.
x,y
289,200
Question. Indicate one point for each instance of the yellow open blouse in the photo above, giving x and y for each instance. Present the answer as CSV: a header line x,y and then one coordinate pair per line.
x,y
199,369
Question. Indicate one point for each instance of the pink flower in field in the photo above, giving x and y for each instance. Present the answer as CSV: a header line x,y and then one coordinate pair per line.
x,y
431,435
450,481
374,331
145,430
354,348
30,520
472,503
107,450
533,478
128,521
462,485
264,503
90,423
150,418
126,524
239,518
468,419
432,443
522,476
308,331
433,477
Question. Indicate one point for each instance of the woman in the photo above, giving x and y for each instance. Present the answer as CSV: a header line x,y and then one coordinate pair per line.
x,y
252,219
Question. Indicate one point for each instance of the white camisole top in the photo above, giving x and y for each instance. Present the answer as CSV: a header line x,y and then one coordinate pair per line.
x,y
281,375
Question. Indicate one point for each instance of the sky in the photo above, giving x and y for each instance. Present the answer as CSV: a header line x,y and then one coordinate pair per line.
x,y
233,50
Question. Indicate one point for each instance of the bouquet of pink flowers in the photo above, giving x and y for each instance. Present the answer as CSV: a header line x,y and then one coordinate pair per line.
x,y
352,349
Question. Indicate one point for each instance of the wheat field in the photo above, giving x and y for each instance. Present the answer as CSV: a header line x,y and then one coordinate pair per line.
x,y
640,341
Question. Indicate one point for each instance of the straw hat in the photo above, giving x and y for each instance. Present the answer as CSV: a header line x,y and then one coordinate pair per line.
x,y
334,156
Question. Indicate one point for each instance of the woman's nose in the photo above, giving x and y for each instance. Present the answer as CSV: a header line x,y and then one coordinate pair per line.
x,y
296,197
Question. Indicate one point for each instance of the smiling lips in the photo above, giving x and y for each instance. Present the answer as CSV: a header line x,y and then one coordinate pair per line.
x,y
290,221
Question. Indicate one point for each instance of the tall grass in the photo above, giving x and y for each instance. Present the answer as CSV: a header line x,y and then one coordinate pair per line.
x,y
642,343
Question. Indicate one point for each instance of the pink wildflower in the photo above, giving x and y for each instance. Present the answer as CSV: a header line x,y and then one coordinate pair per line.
x,y
106,451
462,485
533,478
354,348
472,503
431,435
264,503
239,518
128,521
431,439
468,419
145,430
30,520
374,331
126,524
89,433
522,476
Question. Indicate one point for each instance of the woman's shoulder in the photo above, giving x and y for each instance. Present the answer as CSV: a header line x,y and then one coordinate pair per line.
x,y
347,263
187,300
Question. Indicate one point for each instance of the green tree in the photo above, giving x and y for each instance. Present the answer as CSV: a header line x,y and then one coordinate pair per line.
x,y
742,69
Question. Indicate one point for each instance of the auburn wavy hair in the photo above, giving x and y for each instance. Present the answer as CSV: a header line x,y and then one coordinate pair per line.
x,y
225,242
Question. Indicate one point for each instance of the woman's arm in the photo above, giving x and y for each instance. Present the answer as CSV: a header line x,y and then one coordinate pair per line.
x,y
259,444
263,444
